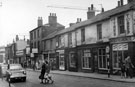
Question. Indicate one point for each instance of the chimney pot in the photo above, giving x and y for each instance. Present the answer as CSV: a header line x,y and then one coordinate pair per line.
x,y
118,3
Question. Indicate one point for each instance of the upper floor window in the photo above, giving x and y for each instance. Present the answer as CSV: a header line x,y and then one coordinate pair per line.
x,y
83,35
99,31
38,33
121,28
31,35
70,38
34,34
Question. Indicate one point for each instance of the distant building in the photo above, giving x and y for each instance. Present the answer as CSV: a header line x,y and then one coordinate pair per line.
x,y
2,54
40,32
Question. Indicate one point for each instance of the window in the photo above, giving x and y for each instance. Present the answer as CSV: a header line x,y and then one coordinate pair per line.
x,y
72,60
38,45
114,27
86,59
102,58
99,31
38,34
121,25
83,35
51,44
128,23
34,34
70,39
31,35
119,51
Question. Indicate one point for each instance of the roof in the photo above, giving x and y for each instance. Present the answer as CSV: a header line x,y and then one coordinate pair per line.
x,y
58,25
53,34
102,16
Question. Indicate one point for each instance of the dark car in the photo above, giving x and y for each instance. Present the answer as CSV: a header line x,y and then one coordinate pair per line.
x,y
16,71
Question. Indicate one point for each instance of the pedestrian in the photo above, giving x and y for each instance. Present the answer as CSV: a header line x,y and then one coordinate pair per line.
x,y
43,70
129,67
123,70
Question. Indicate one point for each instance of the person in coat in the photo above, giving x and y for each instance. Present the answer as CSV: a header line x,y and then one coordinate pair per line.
x,y
43,70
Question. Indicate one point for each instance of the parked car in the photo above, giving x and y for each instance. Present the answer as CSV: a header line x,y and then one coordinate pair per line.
x,y
15,72
4,69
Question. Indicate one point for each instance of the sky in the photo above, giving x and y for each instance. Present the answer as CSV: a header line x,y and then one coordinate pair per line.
x,y
18,17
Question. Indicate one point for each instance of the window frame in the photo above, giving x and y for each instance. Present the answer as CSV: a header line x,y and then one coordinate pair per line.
x,y
99,31
121,24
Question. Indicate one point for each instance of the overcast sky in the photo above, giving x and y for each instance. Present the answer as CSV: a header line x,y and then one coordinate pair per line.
x,y
20,16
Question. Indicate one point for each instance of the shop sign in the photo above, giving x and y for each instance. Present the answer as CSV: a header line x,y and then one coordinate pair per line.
x,y
34,50
122,39
123,46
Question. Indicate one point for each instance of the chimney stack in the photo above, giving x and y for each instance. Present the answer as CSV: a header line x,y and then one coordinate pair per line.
x,y
91,12
121,2
17,38
40,21
102,9
52,19
78,20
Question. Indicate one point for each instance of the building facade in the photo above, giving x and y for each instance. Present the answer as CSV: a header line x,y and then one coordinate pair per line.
x,y
40,33
89,46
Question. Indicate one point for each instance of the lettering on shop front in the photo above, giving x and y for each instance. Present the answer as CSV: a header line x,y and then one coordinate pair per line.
x,y
124,39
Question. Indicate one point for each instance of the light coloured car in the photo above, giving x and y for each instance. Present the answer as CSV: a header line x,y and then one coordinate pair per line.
x,y
16,71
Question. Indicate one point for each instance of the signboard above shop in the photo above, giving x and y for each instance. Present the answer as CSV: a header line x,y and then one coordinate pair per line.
x,y
34,50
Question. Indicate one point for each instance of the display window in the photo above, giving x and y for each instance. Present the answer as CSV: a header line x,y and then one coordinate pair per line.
x,y
86,59
120,52
61,62
72,60
102,58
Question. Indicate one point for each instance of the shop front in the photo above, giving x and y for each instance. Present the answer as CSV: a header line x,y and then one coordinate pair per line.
x,y
92,58
72,61
121,48
61,59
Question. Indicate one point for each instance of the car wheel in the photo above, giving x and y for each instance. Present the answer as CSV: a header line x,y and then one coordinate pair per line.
x,y
24,79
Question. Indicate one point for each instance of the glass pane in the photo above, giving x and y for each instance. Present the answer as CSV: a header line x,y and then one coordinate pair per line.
x,y
104,62
115,59
100,61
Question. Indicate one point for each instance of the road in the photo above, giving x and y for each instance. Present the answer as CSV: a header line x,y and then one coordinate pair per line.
x,y
69,81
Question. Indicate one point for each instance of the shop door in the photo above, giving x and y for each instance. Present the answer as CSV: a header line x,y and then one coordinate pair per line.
x,y
61,62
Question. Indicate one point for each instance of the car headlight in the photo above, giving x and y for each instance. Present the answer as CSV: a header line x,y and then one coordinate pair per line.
x,y
24,72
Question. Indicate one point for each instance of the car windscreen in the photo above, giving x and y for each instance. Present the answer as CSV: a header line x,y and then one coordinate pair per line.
x,y
15,67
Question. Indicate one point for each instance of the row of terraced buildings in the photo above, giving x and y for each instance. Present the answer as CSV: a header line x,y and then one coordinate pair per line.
x,y
87,46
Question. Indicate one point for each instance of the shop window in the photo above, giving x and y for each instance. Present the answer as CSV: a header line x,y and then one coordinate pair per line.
x,y
102,58
61,62
72,60
120,52
86,59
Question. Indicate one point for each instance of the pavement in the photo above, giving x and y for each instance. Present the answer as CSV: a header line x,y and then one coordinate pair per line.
x,y
4,83
116,78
